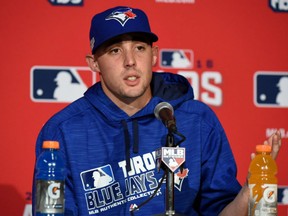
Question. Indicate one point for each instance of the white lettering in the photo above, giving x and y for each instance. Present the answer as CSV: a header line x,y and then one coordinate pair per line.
x,y
271,131
63,1
54,190
211,93
67,1
281,5
28,210
122,165
216,98
139,164
176,1
149,161
173,152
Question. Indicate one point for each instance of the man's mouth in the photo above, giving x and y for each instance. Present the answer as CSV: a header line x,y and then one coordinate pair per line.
x,y
132,78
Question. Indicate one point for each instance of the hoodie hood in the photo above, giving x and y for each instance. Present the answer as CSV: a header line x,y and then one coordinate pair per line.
x,y
172,88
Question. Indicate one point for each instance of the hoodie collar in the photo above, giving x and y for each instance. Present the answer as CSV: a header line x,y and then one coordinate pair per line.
x,y
172,88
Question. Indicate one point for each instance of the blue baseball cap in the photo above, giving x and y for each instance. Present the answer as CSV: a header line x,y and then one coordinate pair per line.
x,y
117,21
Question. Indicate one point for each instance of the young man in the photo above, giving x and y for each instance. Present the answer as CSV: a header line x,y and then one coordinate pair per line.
x,y
110,135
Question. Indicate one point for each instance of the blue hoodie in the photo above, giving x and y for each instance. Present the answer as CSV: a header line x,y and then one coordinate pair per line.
x,y
101,143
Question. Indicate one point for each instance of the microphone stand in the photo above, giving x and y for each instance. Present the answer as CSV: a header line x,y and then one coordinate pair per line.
x,y
169,196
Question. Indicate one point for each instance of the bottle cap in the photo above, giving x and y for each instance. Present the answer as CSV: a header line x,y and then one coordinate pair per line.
x,y
50,144
263,148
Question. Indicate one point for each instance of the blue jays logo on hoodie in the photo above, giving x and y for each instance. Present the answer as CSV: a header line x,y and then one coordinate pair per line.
x,y
122,15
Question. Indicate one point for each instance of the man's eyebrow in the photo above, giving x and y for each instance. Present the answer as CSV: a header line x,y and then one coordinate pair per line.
x,y
118,40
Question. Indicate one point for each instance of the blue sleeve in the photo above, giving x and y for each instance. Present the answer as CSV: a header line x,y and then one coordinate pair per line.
x,y
53,132
219,185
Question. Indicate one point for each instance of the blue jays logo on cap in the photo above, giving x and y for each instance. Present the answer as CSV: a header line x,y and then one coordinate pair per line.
x,y
122,15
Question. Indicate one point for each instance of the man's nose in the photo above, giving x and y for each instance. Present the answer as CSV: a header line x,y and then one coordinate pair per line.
x,y
129,59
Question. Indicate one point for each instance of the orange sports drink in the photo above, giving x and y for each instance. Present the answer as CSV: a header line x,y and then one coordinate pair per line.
x,y
262,183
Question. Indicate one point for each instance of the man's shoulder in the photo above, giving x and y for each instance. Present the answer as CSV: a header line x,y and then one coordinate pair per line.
x,y
200,110
70,112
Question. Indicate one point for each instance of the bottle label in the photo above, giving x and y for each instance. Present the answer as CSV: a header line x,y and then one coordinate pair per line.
x,y
263,200
50,196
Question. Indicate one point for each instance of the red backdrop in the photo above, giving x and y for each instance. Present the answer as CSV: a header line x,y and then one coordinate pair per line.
x,y
237,50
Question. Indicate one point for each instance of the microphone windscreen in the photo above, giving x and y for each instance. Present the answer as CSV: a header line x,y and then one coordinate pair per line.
x,y
161,106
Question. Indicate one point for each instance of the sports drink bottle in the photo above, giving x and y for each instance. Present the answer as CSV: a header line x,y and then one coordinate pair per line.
x,y
50,181
262,183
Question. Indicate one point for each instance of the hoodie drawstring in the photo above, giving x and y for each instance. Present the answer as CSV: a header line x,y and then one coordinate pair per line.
x,y
127,141
136,137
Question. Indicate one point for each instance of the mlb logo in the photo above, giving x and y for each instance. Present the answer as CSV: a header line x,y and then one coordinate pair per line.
x,y
67,2
97,178
283,195
176,58
271,89
59,84
172,157
279,5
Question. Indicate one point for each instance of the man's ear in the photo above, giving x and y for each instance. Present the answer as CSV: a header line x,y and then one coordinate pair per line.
x,y
92,63
154,55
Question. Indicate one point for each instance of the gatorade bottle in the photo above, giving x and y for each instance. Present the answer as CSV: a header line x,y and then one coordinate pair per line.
x,y
50,177
263,183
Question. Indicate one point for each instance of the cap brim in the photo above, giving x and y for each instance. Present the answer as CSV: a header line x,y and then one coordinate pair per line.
x,y
147,36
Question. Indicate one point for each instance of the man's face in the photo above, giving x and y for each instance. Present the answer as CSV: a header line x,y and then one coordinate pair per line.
x,y
125,65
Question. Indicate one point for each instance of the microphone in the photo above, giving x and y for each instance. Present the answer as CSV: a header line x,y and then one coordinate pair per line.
x,y
165,113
